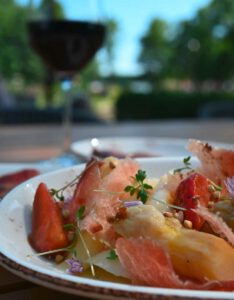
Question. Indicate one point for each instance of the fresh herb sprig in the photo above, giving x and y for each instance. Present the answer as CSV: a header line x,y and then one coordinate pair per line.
x,y
172,206
80,216
187,165
59,193
139,187
112,255
215,187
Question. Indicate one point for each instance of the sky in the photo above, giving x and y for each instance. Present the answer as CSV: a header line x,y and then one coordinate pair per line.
x,y
134,17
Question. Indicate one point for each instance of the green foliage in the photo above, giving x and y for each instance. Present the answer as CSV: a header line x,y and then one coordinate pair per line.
x,y
156,51
51,9
112,29
15,55
90,73
164,104
202,48
204,45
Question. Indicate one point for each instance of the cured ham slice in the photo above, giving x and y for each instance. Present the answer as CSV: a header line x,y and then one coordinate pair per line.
x,y
88,182
217,224
100,189
217,164
193,253
148,263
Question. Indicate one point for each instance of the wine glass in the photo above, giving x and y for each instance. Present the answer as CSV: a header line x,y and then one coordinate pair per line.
x,y
66,45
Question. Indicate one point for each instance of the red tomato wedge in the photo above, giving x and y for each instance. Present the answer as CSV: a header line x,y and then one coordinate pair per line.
x,y
191,193
47,222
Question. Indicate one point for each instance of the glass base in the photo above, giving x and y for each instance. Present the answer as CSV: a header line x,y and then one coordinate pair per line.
x,y
62,161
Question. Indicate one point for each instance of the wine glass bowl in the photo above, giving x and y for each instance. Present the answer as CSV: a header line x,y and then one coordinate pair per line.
x,y
66,46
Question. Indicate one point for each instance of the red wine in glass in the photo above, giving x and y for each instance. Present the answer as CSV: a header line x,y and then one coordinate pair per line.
x,y
66,46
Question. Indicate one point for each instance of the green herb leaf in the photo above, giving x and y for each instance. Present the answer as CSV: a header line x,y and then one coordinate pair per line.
x,y
112,255
68,226
57,194
128,188
142,195
216,187
187,165
139,187
147,186
140,176
187,161
80,213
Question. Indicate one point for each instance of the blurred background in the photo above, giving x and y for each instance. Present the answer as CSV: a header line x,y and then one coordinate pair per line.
x,y
161,60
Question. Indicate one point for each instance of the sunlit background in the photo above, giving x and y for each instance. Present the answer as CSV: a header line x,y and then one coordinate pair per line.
x,y
161,59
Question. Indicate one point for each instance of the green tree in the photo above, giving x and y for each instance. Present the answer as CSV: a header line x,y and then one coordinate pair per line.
x,y
155,50
110,40
15,55
204,45
51,9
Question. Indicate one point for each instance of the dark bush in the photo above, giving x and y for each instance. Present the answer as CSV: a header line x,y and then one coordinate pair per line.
x,y
162,105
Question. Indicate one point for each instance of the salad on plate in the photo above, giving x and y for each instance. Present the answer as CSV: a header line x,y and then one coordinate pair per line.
x,y
115,222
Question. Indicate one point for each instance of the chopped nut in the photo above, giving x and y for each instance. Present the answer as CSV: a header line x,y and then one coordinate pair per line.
x,y
188,224
120,215
211,188
179,215
112,165
59,258
210,204
70,235
216,195
65,213
168,214
195,198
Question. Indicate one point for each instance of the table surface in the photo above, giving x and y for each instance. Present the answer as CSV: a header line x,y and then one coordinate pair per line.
x,y
33,143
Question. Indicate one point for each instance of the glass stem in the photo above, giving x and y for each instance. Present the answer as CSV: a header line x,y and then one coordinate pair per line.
x,y
67,121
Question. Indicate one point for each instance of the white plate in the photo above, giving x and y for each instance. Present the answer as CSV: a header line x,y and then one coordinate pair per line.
x,y
130,145
15,224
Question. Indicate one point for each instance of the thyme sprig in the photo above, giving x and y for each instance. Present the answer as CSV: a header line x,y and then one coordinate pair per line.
x,y
112,255
80,216
187,165
139,187
169,205
59,193
69,248
215,187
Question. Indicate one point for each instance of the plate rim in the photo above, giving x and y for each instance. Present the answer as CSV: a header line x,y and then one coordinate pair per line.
x,y
173,140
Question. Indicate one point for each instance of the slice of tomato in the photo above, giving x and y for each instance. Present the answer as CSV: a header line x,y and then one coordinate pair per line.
x,y
47,222
192,192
